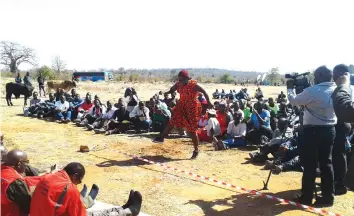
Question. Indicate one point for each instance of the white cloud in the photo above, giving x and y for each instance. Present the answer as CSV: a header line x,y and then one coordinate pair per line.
x,y
247,35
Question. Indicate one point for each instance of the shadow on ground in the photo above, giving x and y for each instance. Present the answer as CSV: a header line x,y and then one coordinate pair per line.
x,y
246,204
134,162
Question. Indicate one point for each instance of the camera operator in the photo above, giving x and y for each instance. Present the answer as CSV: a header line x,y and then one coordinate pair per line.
x,y
342,131
319,133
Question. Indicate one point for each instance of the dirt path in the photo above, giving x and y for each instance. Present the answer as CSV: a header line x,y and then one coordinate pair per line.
x,y
164,192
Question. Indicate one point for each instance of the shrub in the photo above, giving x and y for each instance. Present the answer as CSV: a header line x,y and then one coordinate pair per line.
x,y
46,72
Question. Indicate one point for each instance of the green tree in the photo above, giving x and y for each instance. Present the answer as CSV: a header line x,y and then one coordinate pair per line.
x,y
273,76
226,78
46,72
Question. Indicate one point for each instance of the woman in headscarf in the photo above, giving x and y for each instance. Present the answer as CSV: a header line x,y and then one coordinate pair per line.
x,y
188,110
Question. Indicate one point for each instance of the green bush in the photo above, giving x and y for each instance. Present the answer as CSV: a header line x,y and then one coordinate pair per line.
x,y
46,72
226,79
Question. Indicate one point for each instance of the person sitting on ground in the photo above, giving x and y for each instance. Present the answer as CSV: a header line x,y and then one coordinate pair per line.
x,y
101,122
246,111
211,130
236,107
47,108
18,79
273,106
47,195
280,135
119,117
203,102
236,131
62,110
166,98
75,104
222,94
34,105
260,122
283,111
15,197
203,121
281,97
160,116
84,108
259,94
173,101
96,112
139,116
223,117
216,94
132,100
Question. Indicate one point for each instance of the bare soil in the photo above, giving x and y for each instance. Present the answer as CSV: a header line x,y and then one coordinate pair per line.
x,y
164,192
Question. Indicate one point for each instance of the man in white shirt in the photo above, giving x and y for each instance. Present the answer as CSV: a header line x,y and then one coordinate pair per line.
x,y
236,131
140,117
63,112
94,113
102,121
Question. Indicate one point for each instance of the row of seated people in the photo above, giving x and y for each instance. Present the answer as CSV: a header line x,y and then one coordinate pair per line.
x,y
25,191
109,118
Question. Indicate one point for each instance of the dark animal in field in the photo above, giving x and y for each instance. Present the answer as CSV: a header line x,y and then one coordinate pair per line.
x,y
17,89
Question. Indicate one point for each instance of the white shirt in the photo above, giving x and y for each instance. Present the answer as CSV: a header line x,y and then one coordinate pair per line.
x,y
62,106
92,111
137,112
109,114
239,130
214,124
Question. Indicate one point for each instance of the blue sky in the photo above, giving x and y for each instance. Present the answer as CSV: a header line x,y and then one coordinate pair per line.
x,y
243,35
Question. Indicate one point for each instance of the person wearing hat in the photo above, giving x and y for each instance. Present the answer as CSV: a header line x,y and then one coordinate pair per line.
x,y
188,110
211,129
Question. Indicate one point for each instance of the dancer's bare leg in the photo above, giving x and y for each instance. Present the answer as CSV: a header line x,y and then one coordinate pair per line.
x,y
195,141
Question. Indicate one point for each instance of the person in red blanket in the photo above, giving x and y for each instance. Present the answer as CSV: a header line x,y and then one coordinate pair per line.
x,y
16,189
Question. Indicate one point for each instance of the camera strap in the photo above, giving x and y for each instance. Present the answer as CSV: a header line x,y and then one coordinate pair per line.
x,y
315,114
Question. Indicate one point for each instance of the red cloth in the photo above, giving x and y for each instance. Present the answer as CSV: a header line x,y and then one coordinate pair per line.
x,y
203,136
86,106
188,110
8,175
46,196
222,118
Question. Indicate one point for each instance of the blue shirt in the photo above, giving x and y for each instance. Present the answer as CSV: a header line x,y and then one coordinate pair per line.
x,y
264,114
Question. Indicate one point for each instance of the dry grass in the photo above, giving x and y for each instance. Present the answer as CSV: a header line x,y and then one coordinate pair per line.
x,y
164,192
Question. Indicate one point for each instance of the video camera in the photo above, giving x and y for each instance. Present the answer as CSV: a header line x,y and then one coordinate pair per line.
x,y
301,81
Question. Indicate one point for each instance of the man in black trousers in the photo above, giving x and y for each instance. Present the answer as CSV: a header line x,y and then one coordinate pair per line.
x,y
319,120
339,148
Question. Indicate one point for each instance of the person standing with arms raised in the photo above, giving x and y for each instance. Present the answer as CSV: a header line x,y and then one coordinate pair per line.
x,y
188,110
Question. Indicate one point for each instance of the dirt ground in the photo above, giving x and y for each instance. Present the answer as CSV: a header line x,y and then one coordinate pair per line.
x,y
164,192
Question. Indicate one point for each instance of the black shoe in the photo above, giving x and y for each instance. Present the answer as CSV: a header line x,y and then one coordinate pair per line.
x,y
137,200
94,191
159,140
302,200
340,191
130,200
84,191
195,155
322,202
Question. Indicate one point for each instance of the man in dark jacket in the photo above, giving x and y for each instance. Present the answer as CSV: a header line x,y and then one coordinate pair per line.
x,y
339,148
40,81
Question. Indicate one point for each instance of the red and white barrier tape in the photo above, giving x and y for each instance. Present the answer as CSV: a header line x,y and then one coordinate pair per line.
x,y
200,177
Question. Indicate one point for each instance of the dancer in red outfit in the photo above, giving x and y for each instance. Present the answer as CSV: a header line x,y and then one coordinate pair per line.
x,y
187,112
